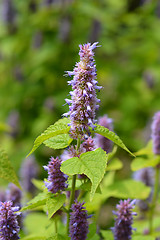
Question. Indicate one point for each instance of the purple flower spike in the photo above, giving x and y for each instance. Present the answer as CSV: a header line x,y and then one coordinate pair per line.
x,y
101,141
56,178
8,221
78,222
156,133
83,103
122,229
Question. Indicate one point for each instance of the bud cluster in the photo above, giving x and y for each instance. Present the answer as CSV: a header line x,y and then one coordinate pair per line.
x,y
56,178
123,223
78,222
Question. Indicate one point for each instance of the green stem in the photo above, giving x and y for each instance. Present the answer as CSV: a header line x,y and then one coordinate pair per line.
x,y
78,144
72,196
71,200
154,199
64,209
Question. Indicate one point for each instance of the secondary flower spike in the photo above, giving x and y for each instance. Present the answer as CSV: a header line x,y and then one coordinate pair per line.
x,y
8,221
122,229
84,102
78,226
156,133
56,178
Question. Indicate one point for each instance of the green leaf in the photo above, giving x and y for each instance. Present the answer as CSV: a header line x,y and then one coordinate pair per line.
x,y
92,164
140,224
108,178
147,150
38,224
37,201
114,164
111,154
94,237
59,142
60,127
142,237
34,237
111,136
6,170
57,237
108,235
54,203
38,184
139,163
127,189
87,187
92,231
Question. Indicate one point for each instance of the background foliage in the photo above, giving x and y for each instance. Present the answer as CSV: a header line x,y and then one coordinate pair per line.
x,y
39,42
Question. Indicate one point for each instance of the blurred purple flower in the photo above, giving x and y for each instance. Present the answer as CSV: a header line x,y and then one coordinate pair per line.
x,y
122,229
83,103
101,141
48,2
14,121
18,73
64,28
14,194
56,178
95,30
8,221
156,133
49,104
8,12
2,196
78,222
29,170
37,40
145,175
149,78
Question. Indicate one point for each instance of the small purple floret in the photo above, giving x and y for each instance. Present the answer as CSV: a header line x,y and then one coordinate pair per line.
x,y
56,178
156,133
122,229
8,221
83,103
78,222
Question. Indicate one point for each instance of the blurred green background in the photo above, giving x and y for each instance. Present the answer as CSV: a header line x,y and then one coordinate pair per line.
x,y
39,42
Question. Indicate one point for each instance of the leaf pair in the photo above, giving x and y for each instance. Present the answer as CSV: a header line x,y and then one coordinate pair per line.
x,y
56,136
